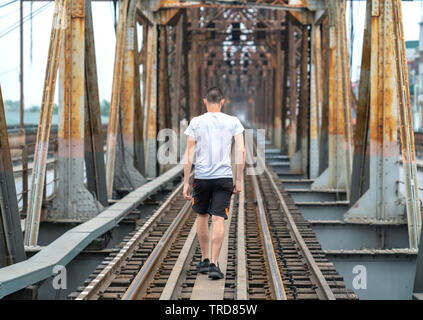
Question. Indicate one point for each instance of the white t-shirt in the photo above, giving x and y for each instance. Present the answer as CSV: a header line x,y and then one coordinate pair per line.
x,y
213,132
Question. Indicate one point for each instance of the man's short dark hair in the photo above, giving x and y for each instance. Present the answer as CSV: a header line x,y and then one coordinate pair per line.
x,y
214,95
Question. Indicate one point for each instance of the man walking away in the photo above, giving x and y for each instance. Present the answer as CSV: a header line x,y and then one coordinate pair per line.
x,y
210,134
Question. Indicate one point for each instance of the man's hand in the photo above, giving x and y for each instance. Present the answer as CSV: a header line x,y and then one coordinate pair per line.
x,y
187,191
238,187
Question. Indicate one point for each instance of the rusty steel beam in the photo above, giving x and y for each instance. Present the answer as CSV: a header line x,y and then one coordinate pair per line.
x,y
315,98
279,71
126,176
73,202
139,157
194,77
387,101
164,108
150,116
336,176
164,116
185,111
177,74
113,126
292,92
324,112
343,63
360,171
408,151
176,4
11,238
41,148
94,141
299,160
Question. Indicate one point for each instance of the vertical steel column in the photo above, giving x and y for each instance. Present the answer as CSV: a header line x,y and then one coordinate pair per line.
x,y
194,76
360,171
270,105
324,112
278,96
164,115
113,126
285,96
336,176
43,133
150,125
127,177
185,111
139,157
73,202
408,151
299,160
277,121
315,99
177,105
343,63
94,141
383,199
11,238
292,71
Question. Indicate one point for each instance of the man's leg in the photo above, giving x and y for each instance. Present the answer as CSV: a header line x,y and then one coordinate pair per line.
x,y
217,237
203,234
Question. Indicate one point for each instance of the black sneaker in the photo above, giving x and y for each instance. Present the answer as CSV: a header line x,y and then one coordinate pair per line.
x,y
203,266
214,272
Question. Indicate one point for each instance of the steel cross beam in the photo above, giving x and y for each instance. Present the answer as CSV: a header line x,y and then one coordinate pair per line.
x,y
11,239
337,175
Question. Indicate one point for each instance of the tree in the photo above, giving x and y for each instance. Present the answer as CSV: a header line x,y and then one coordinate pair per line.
x,y
104,107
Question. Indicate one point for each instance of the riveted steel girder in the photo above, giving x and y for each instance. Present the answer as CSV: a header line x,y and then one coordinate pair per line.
x,y
41,147
383,103
73,202
11,238
337,175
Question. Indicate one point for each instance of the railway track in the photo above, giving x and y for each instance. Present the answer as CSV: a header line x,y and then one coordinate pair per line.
x,y
269,252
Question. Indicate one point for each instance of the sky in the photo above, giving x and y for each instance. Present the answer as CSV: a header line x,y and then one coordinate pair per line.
x,y
34,70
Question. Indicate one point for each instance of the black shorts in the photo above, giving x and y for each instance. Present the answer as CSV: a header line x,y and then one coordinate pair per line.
x,y
212,196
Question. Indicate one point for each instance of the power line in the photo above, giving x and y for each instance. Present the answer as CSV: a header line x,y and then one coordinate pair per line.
x,y
9,13
28,17
6,4
7,71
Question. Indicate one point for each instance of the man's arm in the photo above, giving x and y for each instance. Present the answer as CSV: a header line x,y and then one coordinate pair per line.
x,y
188,158
239,160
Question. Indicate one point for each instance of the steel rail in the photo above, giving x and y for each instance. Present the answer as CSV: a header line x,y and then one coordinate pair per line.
x,y
141,279
275,275
323,290
105,275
